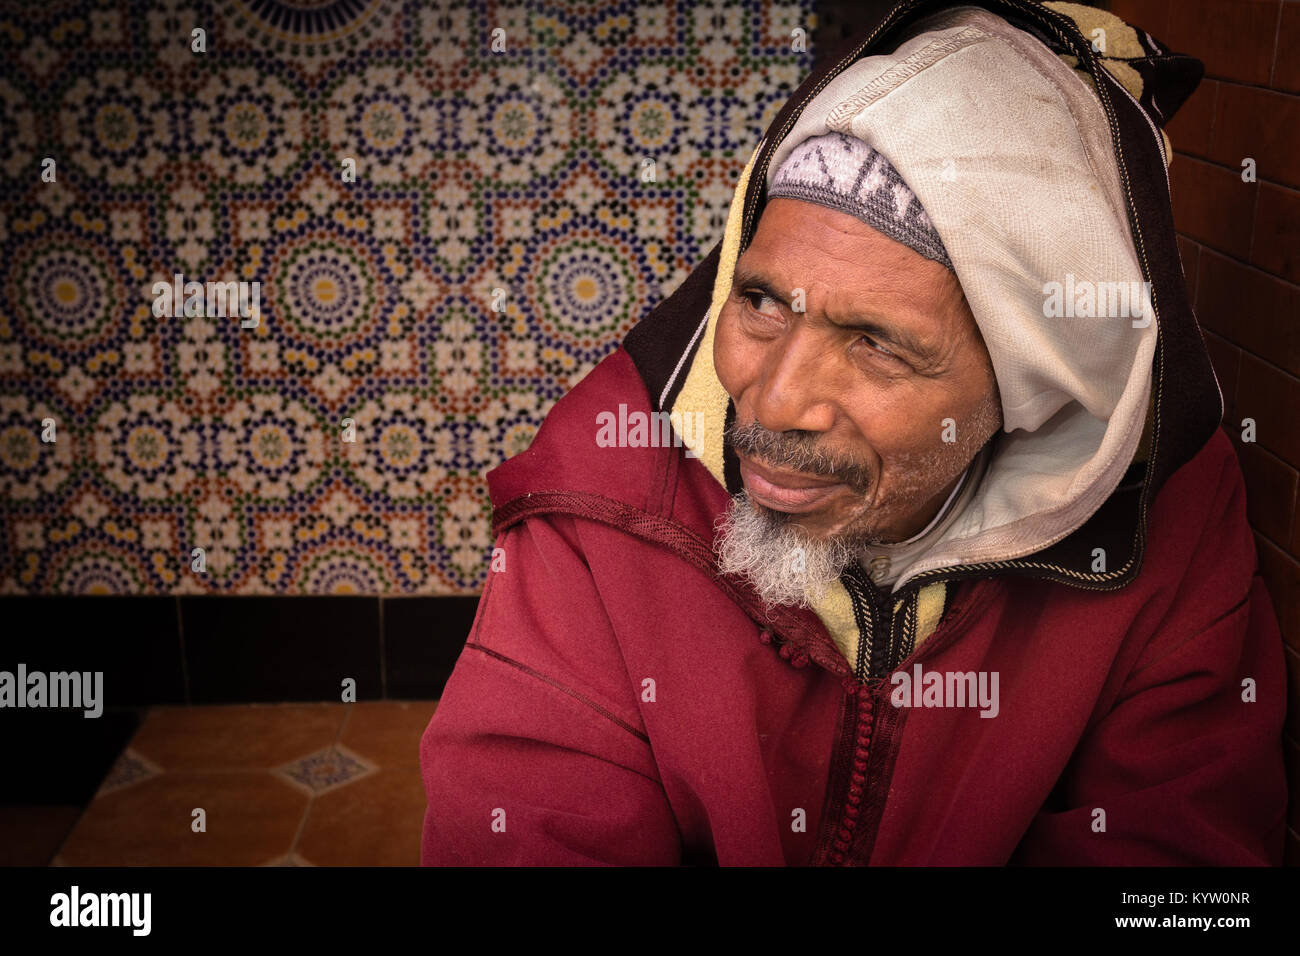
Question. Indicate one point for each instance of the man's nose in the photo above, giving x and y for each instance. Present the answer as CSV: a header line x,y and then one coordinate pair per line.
x,y
793,393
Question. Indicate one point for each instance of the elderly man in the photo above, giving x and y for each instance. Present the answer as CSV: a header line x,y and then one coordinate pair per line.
x,y
947,560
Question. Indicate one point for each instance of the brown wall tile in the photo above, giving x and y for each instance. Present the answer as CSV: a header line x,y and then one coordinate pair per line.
x,y
1250,308
1225,357
1294,548
1261,124
1270,489
1276,243
1291,754
1189,252
1281,574
1191,128
1270,396
1213,205
1149,15
1292,692
1234,38
1286,64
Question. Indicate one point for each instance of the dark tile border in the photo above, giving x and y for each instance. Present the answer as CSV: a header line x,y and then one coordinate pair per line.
x,y
241,649
134,641
423,637
204,650
59,757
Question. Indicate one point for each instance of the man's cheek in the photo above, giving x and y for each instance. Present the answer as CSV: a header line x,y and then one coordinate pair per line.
x,y
733,357
723,349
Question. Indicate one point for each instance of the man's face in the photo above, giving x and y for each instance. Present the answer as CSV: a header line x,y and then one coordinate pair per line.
x,y
842,410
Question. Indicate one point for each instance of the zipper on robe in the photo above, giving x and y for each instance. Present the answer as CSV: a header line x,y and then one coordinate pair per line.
x,y
885,637
855,800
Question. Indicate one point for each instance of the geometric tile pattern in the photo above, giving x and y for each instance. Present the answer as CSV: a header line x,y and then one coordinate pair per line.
x,y
527,180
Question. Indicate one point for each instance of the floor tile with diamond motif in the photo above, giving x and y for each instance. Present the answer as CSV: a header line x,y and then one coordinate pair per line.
x,y
326,769
130,767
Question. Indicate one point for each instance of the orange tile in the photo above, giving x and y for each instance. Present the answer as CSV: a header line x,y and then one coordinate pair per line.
x,y
293,859
387,732
30,836
241,737
376,821
252,817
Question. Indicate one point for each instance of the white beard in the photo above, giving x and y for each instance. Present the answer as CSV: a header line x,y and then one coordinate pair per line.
x,y
777,556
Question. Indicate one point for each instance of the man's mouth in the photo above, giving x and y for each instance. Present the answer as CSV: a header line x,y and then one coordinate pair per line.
x,y
790,492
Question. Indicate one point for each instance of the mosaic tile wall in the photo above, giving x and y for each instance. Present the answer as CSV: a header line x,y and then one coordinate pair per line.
x,y
523,169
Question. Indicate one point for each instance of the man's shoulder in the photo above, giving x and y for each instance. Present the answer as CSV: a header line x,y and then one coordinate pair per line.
x,y
1199,545
1206,495
601,440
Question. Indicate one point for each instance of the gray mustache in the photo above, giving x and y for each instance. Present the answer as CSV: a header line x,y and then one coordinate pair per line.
x,y
795,451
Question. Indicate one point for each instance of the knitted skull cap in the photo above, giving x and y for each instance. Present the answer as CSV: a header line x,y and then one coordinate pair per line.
x,y
843,172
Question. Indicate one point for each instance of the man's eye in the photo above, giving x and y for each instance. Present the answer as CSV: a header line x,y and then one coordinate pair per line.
x,y
751,296
876,346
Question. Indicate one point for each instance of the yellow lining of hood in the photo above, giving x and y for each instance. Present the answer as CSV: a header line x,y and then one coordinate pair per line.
x,y
702,394
1121,38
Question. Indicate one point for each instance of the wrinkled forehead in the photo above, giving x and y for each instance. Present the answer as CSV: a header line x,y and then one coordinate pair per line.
x,y
837,258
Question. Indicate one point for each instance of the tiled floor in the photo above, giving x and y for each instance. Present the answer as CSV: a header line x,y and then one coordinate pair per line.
x,y
278,784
